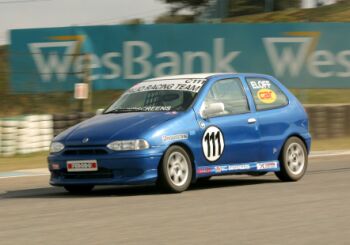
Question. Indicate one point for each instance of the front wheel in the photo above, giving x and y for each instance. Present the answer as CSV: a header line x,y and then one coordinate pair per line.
x,y
175,171
78,189
293,161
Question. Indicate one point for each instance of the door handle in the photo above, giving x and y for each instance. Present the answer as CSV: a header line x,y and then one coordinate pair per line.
x,y
251,120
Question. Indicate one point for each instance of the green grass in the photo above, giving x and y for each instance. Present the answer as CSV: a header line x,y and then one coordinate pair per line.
x,y
331,144
339,12
38,160
322,96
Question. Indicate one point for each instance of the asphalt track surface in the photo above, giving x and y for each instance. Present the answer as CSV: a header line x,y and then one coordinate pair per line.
x,y
226,210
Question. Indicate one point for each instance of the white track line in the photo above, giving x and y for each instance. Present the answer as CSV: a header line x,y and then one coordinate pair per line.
x,y
329,154
18,176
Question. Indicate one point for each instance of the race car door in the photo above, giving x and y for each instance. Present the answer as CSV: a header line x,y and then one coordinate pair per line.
x,y
231,135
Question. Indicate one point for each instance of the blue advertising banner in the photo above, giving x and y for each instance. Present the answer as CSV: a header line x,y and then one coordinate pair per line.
x,y
301,55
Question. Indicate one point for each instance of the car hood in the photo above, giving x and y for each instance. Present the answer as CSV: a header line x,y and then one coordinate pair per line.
x,y
102,129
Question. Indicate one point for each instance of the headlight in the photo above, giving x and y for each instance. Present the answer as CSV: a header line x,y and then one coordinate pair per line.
x,y
56,147
128,145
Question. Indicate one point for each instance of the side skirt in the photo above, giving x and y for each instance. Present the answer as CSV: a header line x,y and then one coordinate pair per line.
x,y
268,166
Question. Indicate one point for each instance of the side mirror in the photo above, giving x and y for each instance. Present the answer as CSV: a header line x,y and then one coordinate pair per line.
x,y
99,111
213,109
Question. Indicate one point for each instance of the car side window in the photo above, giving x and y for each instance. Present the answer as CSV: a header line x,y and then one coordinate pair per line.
x,y
266,94
230,94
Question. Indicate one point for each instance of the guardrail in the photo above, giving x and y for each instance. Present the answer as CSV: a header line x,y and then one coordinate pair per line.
x,y
33,133
329,121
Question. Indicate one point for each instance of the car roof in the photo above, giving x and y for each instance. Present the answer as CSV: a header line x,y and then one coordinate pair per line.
x,y
201,76
189,76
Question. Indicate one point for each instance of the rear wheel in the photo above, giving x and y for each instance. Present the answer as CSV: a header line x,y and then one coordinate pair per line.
x,y
293,161
79,189
175,171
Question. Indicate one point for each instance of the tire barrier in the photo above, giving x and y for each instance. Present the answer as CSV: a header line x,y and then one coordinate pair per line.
x,y
33,133
25,134
328,121
61,121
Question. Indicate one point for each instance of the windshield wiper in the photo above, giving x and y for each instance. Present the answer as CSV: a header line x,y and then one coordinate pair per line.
x,y
123,110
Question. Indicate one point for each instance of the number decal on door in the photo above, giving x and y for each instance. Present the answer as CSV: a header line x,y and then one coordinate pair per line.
x,y
213,143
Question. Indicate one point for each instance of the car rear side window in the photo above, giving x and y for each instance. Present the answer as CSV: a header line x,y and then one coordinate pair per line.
x,y
229,92
266,94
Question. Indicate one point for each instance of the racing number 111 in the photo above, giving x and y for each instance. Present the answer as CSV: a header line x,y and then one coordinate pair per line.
x,y
214,138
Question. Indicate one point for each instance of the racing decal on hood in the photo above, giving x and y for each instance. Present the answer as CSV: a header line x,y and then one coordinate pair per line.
x,y
191,85
213,143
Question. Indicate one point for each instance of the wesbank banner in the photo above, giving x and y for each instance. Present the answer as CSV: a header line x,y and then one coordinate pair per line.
x,y
301,55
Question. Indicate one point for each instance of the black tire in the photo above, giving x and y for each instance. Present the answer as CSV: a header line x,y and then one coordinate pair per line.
x,y
286,173
58,117
166,181
60,124
79,189
70,117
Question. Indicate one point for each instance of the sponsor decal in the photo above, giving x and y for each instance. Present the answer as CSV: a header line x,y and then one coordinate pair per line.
x,y
267,96
266,165
218,169
260,84
191,85
147,108
239,167
204,170
175,137
213,143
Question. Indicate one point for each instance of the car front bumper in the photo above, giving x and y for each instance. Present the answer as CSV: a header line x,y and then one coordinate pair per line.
x,y
113,169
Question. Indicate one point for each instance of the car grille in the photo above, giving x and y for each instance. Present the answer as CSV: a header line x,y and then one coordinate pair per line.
x,y
79,152
100,174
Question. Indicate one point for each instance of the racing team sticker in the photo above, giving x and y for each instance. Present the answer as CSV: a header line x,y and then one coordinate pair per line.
x,y
213,143
266,96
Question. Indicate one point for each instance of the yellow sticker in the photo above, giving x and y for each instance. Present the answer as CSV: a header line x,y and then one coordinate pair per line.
x,y
266,96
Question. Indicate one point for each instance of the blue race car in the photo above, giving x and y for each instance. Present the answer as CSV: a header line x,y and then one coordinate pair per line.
x,y
173,131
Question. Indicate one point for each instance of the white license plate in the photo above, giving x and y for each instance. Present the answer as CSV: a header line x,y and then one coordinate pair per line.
x,y
82,166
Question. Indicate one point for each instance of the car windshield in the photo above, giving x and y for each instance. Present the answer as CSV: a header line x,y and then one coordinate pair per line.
x,y
158,95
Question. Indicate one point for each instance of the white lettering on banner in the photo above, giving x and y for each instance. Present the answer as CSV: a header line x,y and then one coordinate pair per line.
x,y
107,61
133,62
53,64
141,60
173,64
287,59
223,62
318,59
189,58
57,60
319,63
341,59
